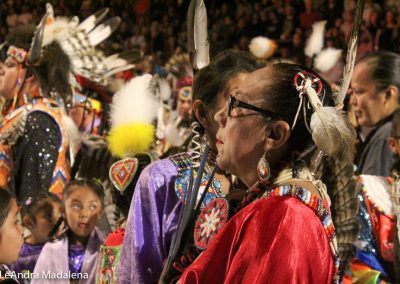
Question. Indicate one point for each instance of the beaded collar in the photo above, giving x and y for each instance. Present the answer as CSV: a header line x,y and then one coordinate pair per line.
x,y
183,163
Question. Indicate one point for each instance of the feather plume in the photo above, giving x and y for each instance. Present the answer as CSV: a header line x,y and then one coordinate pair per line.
x,y
198,45
134,103
327,58
315,42
262,47
351,53
133,110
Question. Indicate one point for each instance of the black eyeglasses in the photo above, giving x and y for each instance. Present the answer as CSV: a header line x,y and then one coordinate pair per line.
x,y
235,103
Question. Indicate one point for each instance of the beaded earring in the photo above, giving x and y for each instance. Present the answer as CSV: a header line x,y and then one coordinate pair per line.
x,y
263,169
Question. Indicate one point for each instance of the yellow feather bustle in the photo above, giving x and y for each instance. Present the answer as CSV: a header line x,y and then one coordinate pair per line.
x,y
130,139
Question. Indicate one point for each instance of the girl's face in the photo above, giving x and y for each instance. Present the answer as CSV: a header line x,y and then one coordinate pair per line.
x,y
11,238
45,219
82,209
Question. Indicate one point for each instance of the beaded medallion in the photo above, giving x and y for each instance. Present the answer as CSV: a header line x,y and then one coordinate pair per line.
x,y
122,172
211,221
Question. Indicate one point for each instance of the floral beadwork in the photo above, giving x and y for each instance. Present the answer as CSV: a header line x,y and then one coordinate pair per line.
x,y
210,222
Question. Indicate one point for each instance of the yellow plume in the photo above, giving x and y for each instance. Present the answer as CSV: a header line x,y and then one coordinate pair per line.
x,y
130,139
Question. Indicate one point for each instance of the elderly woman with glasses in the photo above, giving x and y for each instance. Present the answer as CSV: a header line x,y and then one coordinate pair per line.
x,y
281,231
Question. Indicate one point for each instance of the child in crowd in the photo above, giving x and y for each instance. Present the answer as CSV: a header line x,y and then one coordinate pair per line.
x,y
73,257
11,231
39,217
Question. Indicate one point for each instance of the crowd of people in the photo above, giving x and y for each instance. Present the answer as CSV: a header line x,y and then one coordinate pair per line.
x,y
158,27
123,160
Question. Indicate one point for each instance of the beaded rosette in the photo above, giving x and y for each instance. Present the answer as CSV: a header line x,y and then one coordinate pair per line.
x,y
211,221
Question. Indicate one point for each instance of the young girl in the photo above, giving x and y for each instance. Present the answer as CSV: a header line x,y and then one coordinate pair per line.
x,y
39,217
11,231
74,257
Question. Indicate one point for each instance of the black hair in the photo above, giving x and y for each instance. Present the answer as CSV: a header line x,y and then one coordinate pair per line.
x,y
384,68
21,37
284,100
212,79
5,204
31,207
53,70
92,184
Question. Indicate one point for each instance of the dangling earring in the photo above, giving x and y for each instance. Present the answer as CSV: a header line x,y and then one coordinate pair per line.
x,y
263,169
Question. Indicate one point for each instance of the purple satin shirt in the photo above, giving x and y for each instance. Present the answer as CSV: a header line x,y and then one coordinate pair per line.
x,y
152,221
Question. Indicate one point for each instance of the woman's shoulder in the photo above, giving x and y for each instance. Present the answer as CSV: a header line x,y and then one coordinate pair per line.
x,y
383,132
162,167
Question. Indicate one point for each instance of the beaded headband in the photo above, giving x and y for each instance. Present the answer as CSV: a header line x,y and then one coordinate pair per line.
x,y
18,54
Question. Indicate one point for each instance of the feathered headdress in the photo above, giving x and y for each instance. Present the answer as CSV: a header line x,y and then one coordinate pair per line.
x,y
61,46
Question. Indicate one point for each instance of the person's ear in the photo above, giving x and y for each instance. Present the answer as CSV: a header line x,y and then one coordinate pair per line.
x,y
277,135
200,113
391,93
392,144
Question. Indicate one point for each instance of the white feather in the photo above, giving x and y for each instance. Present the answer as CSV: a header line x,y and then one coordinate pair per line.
x,y
165,89
118,69
202,46
172,135
73,134
134,103
262,47
315,42
99,34
327,58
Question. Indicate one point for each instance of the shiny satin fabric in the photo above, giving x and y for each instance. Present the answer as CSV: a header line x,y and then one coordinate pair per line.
x,y
273,240
151,223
